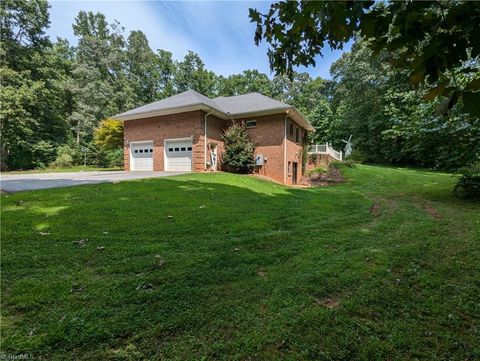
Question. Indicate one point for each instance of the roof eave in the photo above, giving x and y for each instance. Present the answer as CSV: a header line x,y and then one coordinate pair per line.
x,y
168,111
300,119
258,113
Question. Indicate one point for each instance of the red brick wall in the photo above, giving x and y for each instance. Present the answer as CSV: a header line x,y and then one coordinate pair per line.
x,y
215,128
182,125
294,150
268,139
268,136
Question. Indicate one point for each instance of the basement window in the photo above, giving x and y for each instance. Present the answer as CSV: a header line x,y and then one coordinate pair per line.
x,y
250,124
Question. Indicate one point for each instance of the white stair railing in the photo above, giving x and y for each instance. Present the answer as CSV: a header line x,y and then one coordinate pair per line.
x,y
325,149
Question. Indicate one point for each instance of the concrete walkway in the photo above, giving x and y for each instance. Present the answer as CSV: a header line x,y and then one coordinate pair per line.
x,y
32,181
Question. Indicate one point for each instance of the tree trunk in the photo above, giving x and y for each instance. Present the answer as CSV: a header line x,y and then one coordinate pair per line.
x,y
78,132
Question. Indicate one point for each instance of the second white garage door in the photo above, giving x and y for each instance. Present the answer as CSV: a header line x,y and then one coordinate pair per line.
x,y
178,155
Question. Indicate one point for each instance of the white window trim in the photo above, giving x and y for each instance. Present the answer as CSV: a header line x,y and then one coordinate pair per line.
x,y
250,127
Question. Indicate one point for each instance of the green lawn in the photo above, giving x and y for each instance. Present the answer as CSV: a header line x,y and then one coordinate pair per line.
x,y
77,168
217,266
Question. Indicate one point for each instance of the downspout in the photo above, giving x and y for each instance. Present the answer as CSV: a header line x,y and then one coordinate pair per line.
x,y
285,150
205,139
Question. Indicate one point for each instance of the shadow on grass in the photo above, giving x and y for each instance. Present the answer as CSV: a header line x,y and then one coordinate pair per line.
x,y
209,265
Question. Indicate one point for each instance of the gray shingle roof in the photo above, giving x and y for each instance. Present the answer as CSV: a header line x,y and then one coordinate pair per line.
x,y
225,107
249,103
189,98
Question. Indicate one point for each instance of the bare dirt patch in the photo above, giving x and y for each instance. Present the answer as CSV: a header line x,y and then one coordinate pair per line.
x,y
375,209
332,176
432,211
327,302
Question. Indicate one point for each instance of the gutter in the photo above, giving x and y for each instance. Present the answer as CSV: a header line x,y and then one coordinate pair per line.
x,y
205,138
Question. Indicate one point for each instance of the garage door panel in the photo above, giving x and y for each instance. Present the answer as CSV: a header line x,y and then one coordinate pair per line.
x,y
142,156
178,155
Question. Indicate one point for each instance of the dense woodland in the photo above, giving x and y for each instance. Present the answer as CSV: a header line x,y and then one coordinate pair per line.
x,y
54,95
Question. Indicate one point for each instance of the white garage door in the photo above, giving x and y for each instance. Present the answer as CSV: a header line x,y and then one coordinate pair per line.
x,y
142,156
178,155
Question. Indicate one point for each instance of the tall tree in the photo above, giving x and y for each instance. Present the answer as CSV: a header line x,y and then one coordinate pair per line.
x,y
165,67
191,74
99,82
246,82
141,68
429,39
32,70
389,119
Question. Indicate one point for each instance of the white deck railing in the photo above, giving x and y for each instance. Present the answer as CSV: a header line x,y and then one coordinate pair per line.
x,y
325,149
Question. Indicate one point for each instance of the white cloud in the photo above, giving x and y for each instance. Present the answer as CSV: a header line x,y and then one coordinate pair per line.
x,y
220,32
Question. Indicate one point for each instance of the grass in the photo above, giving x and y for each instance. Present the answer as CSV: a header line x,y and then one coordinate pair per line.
x,y
77,168
217,266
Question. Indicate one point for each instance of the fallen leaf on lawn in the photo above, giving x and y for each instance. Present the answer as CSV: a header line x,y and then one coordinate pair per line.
x,y
105,232
160,261
146,286
327,302
75,288
80,242
261,273
99,248
43,233
202,206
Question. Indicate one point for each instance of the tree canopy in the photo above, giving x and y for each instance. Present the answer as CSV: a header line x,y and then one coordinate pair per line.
x,y
437,42
405,92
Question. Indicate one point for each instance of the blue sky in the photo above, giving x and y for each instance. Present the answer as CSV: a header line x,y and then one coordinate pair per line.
x,y
219,31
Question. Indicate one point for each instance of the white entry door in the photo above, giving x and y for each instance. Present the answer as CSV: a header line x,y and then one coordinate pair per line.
x,y
141,156
178,155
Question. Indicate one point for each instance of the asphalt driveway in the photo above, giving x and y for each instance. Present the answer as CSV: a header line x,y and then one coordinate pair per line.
x,y
31,181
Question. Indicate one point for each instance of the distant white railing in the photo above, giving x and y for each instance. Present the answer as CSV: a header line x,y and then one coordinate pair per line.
x,y
325,149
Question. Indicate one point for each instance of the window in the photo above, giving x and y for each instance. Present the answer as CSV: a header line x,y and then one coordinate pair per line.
x,y
135,151
140,151
170,149
250,124
151,150
289,167
189,148
183,149
177,149
291,128
297,134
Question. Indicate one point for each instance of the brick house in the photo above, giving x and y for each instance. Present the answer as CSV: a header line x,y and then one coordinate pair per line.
x,y
184,133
